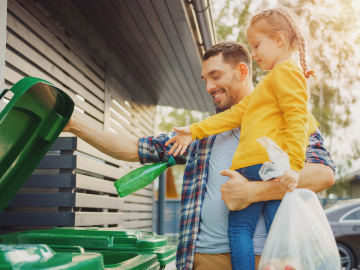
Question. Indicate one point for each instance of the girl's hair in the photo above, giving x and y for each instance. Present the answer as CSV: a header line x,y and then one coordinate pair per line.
x,y
281,19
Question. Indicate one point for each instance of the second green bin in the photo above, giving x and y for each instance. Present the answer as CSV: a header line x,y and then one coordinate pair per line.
x,y
103,240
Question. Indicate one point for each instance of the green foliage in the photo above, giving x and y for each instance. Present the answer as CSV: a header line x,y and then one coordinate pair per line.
x,y
172,117
341,189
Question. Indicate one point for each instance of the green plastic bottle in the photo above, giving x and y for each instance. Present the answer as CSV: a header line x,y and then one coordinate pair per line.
x,y
141,177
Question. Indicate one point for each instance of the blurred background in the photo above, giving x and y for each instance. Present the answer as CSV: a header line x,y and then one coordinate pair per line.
x,y
333,38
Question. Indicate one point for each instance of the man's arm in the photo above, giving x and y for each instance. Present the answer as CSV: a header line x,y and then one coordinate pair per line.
x,y
120,146
238,192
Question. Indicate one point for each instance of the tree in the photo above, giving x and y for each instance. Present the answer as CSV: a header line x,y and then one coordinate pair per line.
x,y
171,117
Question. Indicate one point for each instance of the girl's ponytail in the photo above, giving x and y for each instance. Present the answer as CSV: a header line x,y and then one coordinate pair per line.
x,y
300,39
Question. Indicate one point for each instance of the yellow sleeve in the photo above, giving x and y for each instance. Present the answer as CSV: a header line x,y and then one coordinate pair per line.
x,y
220,122
289,86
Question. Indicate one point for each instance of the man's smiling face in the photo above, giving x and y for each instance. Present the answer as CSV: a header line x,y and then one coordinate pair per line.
x,y
222,82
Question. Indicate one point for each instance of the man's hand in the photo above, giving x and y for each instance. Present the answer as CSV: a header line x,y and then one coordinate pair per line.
x,y
237,191
181,141
290,180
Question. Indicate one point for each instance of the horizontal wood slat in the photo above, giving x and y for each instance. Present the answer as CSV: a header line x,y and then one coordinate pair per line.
x,y
137,207
93,219
130,216
81,163
68,180
66,200
37,219
137,223
94,184
97,201
73,143
56,38
138,199
44,200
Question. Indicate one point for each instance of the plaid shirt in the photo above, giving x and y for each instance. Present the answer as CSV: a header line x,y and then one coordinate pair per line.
x,y
152,149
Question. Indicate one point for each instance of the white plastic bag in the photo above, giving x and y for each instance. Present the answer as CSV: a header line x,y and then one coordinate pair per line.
x,y
279,160
300,237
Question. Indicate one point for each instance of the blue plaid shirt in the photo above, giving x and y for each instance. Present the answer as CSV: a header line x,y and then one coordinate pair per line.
x,y
152,150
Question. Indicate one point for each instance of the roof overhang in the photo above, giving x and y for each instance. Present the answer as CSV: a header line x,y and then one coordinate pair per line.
x,y
160,42
354,176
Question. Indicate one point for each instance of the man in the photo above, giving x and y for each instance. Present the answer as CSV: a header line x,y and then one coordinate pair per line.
x,y
207,196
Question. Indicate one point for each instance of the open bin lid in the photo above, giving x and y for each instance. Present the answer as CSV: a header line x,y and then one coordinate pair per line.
x,y
27,257
97,239
29,124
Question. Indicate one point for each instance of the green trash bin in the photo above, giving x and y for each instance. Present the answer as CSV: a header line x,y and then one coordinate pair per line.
x,y
29,124
29,257
41,257
102,240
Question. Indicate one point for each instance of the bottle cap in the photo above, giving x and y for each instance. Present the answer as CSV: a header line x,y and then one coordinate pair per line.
x,y
171,161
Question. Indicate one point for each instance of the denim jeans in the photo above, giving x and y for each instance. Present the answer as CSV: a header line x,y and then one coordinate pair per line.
x,y
242,225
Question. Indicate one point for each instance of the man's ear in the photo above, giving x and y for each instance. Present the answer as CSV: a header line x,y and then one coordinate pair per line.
x,y
243,69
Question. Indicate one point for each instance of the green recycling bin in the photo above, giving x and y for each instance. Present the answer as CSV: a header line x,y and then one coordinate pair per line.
x,y
41,257
103,240
29,124
29,257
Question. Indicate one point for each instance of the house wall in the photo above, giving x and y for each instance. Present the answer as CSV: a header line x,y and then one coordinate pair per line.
x,y
3,8
355,188
67,52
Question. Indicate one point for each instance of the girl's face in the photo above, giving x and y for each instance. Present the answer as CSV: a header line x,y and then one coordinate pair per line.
x,y
266,51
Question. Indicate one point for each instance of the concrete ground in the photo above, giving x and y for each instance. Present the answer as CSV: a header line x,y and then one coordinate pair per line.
x,y
171,266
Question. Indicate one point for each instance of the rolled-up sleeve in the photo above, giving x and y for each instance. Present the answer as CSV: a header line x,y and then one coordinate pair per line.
x,y
152,149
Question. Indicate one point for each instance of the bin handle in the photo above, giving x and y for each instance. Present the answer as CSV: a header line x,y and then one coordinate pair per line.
x,y
79,249
3,93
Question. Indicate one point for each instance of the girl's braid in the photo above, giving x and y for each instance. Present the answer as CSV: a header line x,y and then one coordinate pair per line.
x,y
301,42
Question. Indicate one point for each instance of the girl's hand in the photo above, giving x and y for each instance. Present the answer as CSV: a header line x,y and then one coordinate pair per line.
x,y
181,141
290,180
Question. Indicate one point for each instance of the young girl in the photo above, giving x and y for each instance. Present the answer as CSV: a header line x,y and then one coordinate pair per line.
x,y
277,108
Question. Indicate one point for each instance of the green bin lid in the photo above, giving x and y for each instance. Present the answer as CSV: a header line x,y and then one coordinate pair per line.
x,y
90,238
120,260
29,124
117,260
28,257
97,239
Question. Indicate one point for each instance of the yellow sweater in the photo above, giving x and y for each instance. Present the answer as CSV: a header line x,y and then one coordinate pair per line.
x,y
277,109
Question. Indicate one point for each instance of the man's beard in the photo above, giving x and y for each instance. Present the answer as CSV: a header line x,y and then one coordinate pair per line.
x,y
228,103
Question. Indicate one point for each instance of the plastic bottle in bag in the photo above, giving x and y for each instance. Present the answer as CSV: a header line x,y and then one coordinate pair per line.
x,y
141,177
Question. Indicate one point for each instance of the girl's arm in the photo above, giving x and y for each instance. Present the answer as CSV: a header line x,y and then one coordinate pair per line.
x,y
221,122
216,124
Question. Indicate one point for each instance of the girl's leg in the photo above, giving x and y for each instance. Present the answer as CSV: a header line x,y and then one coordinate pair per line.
x,y
269,210
242,226
241,230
